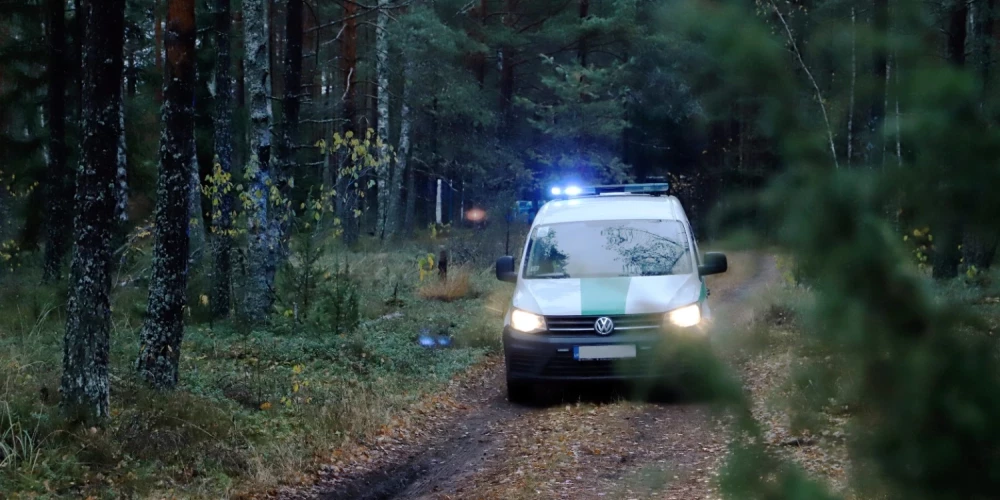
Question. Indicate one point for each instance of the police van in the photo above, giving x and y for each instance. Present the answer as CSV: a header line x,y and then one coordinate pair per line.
x,y
608,275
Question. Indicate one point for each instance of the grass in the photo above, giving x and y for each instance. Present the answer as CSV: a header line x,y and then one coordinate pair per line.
x,y
456,287
256,407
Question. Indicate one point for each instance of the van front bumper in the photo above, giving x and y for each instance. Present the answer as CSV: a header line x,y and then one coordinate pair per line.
x,y
547,357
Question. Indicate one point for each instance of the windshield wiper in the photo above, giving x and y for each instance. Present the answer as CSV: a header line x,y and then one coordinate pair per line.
x,y
550,276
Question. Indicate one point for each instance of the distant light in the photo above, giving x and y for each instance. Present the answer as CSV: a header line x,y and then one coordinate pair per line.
x,y
573,191
556,191
475,214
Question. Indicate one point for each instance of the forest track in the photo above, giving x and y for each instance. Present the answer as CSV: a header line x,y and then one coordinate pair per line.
x,y
599,446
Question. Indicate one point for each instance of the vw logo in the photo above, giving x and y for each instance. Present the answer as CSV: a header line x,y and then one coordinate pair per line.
x,y
604,326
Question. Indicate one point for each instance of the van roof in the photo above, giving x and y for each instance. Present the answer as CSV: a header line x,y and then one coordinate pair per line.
x,y
611,206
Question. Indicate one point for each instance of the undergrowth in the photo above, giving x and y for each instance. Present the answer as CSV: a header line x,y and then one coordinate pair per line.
x,y
256,406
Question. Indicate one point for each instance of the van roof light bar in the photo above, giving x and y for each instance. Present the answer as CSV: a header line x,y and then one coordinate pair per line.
x,y
653,188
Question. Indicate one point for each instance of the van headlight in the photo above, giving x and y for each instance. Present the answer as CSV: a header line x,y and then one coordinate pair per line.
x,y
526,322
684,317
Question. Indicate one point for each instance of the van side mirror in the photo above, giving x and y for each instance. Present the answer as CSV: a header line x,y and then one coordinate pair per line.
x,y
505,269
714,263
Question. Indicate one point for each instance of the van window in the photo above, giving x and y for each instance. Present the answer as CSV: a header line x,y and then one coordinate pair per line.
x,y
604,249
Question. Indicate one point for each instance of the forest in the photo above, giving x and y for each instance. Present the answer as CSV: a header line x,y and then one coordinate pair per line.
x,y
246,246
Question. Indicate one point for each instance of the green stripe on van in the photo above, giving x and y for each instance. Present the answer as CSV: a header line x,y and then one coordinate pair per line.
x,y
600,296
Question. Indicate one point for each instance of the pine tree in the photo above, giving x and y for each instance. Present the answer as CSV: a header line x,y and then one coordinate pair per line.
x,y
163,330
222,201
395,222
346,203
84,387
60,181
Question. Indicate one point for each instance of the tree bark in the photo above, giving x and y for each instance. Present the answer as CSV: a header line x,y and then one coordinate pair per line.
x,y
84,386
386,189
121,174
979,245
948,237
163,330
158,44
346,201
394,223
59,187
79,24
262,240
292,100
854,80
875,149
222,202
196,249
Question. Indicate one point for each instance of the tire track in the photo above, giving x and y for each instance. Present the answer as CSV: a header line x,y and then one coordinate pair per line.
x,y
604,447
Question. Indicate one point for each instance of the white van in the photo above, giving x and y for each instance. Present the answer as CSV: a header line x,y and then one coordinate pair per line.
x,y
608,274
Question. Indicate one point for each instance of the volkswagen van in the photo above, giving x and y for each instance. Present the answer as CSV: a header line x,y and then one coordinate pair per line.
x,y
607,276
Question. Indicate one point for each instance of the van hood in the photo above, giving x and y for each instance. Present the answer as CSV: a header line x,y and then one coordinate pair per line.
x,y
600,296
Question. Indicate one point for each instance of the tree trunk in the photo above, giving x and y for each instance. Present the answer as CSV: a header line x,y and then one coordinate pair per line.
x,y
196,249
854,80
980,243
163,330
222,198
158,44
410,214
84,385
262,240
394,223
949,235
291,101
386,189
79,24
346,201
874,151
121,174
60,182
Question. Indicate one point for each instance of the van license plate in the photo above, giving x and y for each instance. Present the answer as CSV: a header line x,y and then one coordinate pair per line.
x,y
591,352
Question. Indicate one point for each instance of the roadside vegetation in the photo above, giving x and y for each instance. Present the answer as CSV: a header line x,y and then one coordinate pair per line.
x,y
257,406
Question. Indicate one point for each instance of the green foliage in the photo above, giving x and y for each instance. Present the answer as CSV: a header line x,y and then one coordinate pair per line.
x,y
916,370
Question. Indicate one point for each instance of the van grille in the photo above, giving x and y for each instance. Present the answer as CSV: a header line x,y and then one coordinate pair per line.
x,y
563,365
584,325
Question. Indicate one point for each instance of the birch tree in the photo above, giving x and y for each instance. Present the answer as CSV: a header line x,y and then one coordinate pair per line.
x,y
84,385
163,330
222,199
262,238
382,71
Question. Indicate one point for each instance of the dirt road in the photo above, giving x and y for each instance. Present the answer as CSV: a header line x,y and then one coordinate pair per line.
x,y
475,444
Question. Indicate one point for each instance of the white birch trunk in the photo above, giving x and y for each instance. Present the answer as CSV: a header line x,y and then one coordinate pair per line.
x,y
121,176
385,193
262,243
437,204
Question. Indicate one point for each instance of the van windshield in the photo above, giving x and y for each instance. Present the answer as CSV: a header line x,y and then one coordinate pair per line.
x,y
608,249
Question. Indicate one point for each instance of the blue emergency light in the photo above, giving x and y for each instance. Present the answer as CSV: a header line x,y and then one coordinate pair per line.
x,y
653,189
